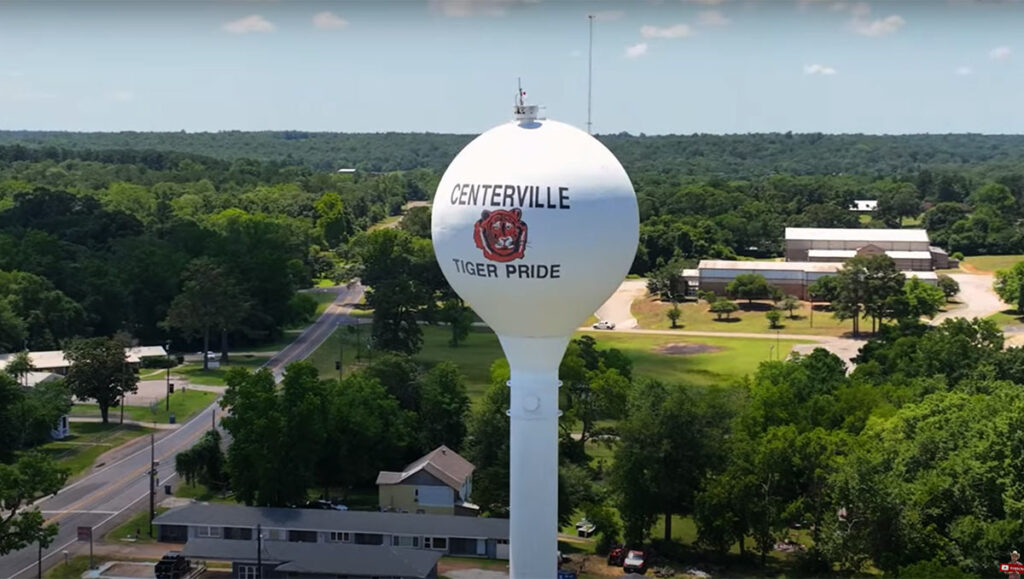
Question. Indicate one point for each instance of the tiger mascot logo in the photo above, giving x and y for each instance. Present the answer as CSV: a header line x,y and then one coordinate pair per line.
x,y
501,234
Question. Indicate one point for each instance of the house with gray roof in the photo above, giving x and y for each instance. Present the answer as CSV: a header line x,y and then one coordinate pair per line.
x,y
282,559
438,483
444,534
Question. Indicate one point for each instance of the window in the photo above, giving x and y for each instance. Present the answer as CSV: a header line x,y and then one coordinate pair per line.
x,y
435,543
340,537
302,536
208,532
405,541
238,534
368,539
247,572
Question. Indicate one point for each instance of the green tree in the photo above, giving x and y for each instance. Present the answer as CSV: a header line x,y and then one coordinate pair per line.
x,y
1008,285
920,299
19,366
210,300
948,285
674,315
789,303
667,282
773,317
487,444
417,221
203,463
21,483
444,407
867,286
723,307
399,375
749,286
459,318
824,289
334,222
99,371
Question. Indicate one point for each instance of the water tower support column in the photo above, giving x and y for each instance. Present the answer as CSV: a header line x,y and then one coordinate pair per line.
x,y
533,472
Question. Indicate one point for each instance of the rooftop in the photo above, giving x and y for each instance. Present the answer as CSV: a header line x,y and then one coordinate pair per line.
x,y
828,234
55,358
848,253
769,265
207,514
442,462
321,558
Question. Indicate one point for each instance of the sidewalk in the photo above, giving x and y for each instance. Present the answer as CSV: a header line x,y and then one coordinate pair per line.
x,y
156,425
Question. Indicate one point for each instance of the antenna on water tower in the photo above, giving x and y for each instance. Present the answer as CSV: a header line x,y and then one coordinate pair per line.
x,y
590,71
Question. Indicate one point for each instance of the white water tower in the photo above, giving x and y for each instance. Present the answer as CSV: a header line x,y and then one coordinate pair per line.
x,y
535,224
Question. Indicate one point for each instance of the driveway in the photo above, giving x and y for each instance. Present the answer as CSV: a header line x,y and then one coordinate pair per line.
x,y
618,307
978,296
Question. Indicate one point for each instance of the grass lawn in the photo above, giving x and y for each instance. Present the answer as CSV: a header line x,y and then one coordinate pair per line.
x,y
990,263
651,314
215,376
126,533
184,405
323,299
725,360
391,221
153,374
74,569
88,441
1007,318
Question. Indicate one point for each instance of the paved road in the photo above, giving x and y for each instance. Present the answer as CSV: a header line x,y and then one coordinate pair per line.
x,y
617,309
978,296
118,490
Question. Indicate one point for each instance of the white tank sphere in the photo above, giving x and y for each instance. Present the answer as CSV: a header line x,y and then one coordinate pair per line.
x,y
535,223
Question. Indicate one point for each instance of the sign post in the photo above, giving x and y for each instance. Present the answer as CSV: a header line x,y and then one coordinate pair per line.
x,y
85,534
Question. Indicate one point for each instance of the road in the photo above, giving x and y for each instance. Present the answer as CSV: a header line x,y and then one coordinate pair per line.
x,y
978,297
117,491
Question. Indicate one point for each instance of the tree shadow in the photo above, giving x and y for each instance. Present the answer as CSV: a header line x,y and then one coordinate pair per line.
x,y
755,307
729,320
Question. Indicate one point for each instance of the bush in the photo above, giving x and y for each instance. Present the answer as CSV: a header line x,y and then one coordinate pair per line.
x,y
724,307
301,308
773,318
157,362
957,255
948,285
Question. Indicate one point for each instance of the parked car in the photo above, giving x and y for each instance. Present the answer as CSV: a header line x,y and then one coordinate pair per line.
x,y
635,563
616,555
604,325
324,506
173,565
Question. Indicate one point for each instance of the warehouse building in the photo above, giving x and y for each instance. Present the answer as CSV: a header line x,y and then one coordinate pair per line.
x,y
792,277
909,248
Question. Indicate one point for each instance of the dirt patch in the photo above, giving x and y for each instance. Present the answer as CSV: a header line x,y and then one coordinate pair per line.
x,y
686,349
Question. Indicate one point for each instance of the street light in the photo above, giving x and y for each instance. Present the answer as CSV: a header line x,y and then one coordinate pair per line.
x,y
167,350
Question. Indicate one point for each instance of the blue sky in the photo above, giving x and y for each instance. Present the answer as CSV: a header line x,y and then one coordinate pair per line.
x,y
668,66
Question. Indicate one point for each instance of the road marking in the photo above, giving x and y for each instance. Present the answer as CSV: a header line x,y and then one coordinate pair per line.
x,y
97,526
80,512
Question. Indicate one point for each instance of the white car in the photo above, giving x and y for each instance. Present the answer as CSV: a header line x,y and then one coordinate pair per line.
x,y
604,325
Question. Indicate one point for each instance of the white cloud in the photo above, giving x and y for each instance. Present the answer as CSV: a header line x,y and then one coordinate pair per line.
x,y
329,21
252,23
608,15
711,18
860,10
1000,52
820,69
468,8
963,70
676,31
879,27
637,50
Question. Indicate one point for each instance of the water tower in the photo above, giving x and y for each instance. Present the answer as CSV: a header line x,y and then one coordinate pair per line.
x,y
535,224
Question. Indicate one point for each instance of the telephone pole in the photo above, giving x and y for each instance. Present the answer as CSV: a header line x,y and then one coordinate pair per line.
x,y
152,482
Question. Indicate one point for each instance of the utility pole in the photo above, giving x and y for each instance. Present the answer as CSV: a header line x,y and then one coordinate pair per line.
x,y
167,350
590,71
152,481
341,350
259,551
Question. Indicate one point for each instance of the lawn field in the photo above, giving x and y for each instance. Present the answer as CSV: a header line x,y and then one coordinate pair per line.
x,y
724,360
651,314
215,376
134,530
87,442
990,263
184,405
1007,318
